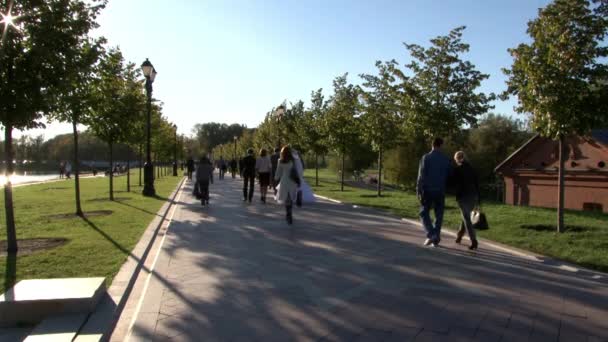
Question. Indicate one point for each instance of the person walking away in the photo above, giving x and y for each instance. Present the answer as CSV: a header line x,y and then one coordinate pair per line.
x,y
433,172
467,196
61,170
233,168
204,175
263,166
248,174
221,165
68,169
190,167
288,187
274,161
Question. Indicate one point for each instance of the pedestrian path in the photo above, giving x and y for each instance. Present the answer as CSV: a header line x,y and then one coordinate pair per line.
x,y
238,272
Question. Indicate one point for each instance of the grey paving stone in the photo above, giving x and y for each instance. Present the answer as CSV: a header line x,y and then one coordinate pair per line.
x,y
236,272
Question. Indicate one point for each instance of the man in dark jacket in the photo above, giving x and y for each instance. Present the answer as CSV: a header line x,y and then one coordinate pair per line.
x,y
190,167
274,161
248,174
432,178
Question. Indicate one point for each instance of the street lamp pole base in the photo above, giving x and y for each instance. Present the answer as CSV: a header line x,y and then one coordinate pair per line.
x,y
149,180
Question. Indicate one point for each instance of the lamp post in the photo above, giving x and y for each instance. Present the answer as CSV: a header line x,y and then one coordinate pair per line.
x,y
150,74
175,152
235,139
279,113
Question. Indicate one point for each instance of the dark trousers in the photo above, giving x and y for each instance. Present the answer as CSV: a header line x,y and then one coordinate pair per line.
x,y
189,174
248,182
467,204
203,188
436,201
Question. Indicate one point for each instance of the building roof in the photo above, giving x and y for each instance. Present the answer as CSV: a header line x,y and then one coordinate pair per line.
x,y
496,169
599,135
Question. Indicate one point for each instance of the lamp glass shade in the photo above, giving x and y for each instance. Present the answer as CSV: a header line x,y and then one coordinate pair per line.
x,y
153,75
146,68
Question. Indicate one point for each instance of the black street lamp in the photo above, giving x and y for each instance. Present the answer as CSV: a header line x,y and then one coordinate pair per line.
x,y
279,114
235,139
175,152
150,74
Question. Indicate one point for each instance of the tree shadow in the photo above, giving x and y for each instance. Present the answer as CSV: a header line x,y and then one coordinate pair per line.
x,y
553,228
10,274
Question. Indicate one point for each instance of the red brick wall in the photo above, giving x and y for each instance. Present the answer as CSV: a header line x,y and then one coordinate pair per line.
x,y
540,190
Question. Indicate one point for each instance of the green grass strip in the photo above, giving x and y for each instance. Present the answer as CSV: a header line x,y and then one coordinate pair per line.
x,y
97,246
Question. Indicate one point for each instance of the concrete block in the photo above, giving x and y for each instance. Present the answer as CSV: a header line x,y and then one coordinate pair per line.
x,y
32,301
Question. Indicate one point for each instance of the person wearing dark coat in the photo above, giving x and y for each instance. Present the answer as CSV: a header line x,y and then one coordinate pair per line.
x,y
466,185
190,167
248,174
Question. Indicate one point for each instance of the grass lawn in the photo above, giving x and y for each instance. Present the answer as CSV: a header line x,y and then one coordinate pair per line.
x,y
585,241
98,245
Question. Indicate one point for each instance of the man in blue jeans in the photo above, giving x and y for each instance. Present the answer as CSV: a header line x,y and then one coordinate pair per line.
x,y
432,178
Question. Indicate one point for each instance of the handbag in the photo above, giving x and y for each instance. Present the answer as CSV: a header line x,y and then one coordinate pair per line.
x,y
479,220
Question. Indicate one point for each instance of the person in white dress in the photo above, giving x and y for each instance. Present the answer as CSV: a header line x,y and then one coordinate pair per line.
x,y
308,195
288,187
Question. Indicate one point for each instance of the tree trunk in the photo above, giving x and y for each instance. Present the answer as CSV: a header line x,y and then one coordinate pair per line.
x,y
560,186
342,174
141,161
316,169
380,172
128,174
11,233
76,171
111,173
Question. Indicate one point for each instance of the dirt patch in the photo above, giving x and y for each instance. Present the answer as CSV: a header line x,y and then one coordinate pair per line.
x,y
30,246
93,213
116,199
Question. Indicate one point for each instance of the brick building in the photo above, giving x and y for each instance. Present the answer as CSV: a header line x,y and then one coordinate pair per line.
x,y
530,173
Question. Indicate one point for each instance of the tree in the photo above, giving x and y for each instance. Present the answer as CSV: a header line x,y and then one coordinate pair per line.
x,y
117,99
74,100
33,59
310,128
440,96
340,122
560,77
380,119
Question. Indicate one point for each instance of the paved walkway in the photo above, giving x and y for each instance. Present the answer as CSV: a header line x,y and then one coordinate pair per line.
x,y
237,272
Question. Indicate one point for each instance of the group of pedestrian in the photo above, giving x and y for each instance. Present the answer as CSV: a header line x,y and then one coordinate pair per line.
x,y
435,173
281,171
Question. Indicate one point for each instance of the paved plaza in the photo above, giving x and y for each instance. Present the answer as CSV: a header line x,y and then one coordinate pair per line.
x,y
238,272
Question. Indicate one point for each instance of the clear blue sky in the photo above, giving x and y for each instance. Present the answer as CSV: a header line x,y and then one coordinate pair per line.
x,y
232,61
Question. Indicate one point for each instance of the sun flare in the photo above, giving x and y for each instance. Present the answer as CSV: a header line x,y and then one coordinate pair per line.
x,y
8,20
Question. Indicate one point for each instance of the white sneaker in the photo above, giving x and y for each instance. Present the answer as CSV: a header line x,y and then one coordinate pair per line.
x,y
435,244
428,242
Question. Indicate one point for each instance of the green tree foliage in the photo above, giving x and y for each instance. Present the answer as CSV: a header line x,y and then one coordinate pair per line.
x,y
341,120
117,100
441,94
561,76
34,61
380,122
212,134
310,129
486,151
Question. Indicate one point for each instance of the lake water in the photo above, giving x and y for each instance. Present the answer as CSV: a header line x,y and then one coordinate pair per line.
x,y
17,179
